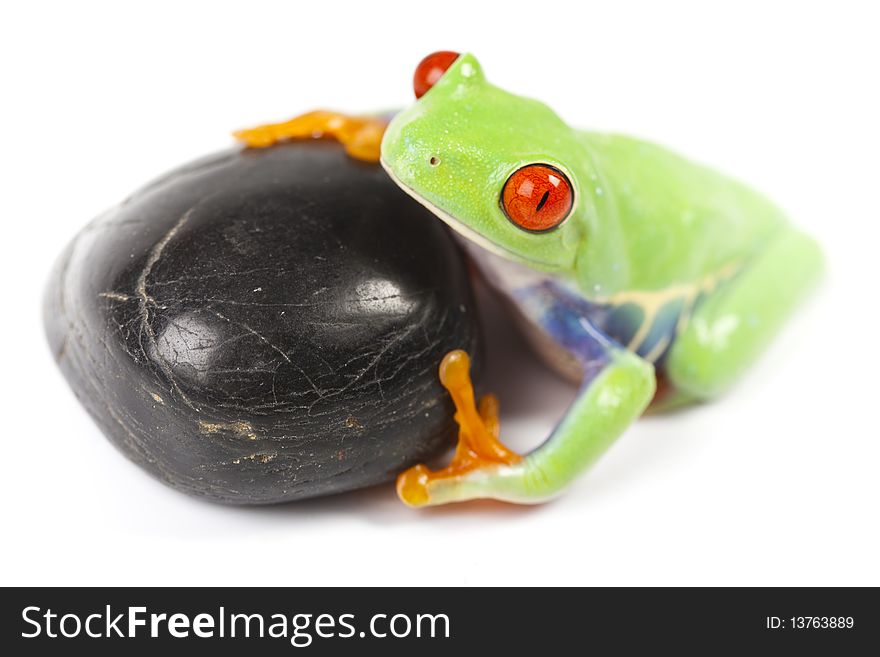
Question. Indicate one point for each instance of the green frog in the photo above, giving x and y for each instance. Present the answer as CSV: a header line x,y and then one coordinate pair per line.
x,y
638,273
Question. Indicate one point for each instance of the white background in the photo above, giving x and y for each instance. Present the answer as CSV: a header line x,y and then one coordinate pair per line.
x,y
775,484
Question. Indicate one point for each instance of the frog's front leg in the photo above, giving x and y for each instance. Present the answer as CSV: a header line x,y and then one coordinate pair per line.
x,y
361,135
617,387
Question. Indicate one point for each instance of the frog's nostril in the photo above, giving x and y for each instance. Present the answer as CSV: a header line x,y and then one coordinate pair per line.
x,y
434,161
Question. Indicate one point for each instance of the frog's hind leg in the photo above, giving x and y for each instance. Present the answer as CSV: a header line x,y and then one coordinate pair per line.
x,y
730,328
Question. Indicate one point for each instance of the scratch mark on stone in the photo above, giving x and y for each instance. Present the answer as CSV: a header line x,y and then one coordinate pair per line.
x,y
276,348
240,428
146,301
257,458
255,333
115,296
372,365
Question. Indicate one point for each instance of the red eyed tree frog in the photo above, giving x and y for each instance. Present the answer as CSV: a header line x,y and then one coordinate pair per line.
x,y
625,263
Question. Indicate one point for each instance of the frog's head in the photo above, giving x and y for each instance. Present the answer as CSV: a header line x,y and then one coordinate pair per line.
x,y
498,168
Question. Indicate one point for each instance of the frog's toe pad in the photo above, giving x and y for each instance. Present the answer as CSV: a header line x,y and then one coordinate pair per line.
x,y
412,486
255,137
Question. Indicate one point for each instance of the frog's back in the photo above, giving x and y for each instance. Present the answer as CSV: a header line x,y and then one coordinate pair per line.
x,y
680,221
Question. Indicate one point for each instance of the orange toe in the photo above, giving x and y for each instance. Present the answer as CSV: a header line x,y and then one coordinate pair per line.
x,y
478,430
361,135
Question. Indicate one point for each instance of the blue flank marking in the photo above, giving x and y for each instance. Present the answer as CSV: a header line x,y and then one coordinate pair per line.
x,y
591,331
565,317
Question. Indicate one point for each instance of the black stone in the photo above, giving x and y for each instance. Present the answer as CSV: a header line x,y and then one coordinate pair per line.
x,y
265,325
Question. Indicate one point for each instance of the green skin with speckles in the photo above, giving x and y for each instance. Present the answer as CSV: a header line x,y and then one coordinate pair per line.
x,y
644,220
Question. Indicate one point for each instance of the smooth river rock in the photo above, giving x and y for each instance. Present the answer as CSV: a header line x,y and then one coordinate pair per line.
x,y
265,325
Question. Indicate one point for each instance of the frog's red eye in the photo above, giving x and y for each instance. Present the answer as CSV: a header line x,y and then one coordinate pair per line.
x,y
431,69
537,197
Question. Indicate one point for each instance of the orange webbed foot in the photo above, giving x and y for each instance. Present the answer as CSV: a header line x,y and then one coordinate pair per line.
x,y
478,444
361,135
